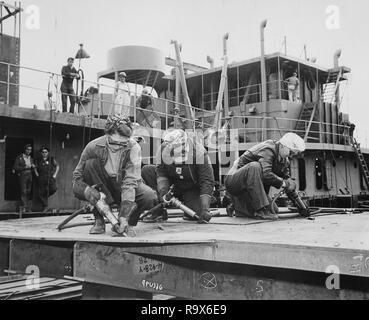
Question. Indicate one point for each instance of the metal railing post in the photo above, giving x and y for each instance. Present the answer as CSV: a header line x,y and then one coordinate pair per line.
x,y
8,87
166,115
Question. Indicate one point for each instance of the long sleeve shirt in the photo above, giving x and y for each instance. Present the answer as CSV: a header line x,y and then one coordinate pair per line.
x,y
197,172
129,167
266,153
67,76
23,163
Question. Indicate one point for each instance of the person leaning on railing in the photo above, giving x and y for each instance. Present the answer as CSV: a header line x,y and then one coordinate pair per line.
x,y
145,110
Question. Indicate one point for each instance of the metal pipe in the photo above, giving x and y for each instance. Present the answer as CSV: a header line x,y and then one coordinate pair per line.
x,y
210,60
226,97
263,75
336,57
263,69
8,87
225,38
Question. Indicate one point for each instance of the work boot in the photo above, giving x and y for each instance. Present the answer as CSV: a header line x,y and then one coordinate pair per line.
x,y
99,226
230,210
265,214
204,217
157,214
186,217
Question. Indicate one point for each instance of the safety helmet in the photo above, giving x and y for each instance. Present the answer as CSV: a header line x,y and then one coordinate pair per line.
x,y
123,74
294,142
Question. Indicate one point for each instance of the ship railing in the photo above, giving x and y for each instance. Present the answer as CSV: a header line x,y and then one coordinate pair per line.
x,y
92,105
100,105
255,129
277,89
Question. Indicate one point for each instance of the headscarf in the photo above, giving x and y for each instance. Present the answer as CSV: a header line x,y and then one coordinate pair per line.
x,y
120,124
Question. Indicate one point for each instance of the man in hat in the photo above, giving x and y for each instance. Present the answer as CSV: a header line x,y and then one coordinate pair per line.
x,y
113,162
146,116
69,73
184,163
259,168
122,101
293,87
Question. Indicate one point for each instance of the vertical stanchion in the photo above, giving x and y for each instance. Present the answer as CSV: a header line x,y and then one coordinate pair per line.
x,y
8,87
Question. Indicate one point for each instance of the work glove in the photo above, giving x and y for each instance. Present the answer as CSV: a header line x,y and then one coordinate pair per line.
x,y
163,188
92,195
127,217
204,214
290,185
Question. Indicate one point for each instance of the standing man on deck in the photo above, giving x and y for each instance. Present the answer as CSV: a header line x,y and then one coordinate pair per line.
x,y
69,73
23,167
184,163
293,87
259,168
113,161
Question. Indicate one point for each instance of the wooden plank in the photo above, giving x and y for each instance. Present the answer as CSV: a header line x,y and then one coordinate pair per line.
x,y
195,280
93,291
22,283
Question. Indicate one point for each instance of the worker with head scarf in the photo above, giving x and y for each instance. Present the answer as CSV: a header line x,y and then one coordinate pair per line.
x,y
184,163
113,162
262,166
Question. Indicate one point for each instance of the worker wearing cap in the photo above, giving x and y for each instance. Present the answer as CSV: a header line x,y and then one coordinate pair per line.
x,y
113,161
185,164
293,87
122,101
146,116
69,73
259,168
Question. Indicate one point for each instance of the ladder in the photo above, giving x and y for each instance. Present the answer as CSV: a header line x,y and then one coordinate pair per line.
x,y
331,85
307,116
363,164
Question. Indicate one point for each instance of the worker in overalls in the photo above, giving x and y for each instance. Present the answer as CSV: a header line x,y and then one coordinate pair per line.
x,y
24,167
259,168
146,116
69,73
185,164
47,170
293,84
113,162
122,101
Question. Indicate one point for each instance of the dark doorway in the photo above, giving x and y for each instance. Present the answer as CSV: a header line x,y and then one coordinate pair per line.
x,y
13,148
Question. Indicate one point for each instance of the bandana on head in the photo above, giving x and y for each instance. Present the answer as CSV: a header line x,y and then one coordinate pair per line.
x,y
177,141
122,123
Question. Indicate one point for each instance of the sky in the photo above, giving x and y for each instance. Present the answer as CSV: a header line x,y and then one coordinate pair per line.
x,y
200,25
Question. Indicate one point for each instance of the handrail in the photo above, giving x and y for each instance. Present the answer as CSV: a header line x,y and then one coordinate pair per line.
x,y
341,130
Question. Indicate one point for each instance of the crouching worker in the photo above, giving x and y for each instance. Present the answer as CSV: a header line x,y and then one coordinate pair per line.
x,y
185,164
259,168
113,162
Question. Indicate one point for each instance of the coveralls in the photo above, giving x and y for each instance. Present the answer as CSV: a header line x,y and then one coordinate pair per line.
x,y
67,88
24,172
122,100
193,179
127,185
253,174
46,182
